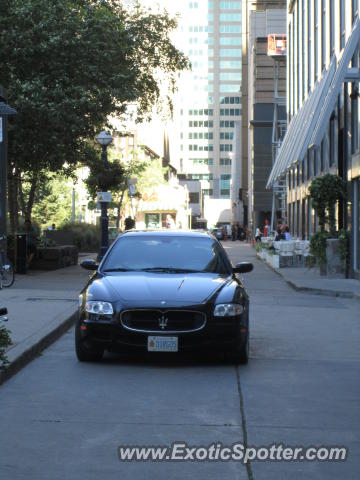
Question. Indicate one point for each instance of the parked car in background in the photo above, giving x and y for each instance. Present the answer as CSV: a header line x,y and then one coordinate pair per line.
x,y
163,291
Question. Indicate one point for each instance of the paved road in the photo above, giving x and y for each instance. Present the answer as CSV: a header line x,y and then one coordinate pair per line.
x,y
61,419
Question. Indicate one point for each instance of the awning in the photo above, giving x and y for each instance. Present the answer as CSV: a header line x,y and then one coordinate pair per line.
x,y
308,126
333,93
300,128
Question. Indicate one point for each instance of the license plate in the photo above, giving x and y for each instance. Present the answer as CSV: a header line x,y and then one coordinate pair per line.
x,y
162,344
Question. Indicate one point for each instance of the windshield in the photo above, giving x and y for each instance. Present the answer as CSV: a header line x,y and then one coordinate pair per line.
x,y
175,254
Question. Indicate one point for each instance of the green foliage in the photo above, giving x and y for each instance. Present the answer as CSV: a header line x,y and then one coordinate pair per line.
x,y
5,342
104,180
258,247
86,236
318,246
53,200
325,191
68,65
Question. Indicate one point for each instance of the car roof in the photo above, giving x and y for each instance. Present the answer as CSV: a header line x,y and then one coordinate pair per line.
x,y
168,232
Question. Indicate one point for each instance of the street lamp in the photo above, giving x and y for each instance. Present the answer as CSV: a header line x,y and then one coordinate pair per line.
x,y
104,139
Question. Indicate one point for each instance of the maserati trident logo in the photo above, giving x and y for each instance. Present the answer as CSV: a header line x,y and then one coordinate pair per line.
x,y
163,321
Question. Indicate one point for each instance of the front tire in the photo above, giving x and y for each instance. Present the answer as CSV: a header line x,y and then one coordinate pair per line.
x,y
241,355
83,353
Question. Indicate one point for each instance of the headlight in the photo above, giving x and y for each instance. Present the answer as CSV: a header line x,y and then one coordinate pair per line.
x,y
228,310
99,308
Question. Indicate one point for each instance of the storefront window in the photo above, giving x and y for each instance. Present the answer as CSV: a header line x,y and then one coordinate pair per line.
x,y
152,220
357,223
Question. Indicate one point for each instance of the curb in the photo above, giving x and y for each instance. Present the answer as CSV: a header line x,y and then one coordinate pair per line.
x,y
34,350
313,291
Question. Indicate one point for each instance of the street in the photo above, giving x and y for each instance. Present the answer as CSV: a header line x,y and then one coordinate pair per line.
x,y
61,419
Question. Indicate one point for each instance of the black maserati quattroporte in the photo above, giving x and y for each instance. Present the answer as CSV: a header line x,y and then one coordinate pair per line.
x,y
164,291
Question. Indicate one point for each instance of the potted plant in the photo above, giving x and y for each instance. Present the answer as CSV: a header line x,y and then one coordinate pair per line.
x,y
324,192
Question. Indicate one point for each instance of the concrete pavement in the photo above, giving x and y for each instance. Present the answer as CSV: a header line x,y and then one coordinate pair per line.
x,y
304,279
65,419
42,305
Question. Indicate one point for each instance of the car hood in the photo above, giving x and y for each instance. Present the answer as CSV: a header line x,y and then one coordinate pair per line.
x,y
160,288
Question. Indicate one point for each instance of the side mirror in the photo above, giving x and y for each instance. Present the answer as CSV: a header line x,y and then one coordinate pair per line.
x,y
243,267
89,264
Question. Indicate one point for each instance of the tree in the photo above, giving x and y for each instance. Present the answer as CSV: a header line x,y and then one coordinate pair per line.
x,y
325,191
67,66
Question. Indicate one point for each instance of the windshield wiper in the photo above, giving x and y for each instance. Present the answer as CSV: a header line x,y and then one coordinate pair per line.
x,y
170,270
119,270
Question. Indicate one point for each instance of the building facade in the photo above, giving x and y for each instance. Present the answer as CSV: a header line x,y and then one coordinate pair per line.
x,y
264,84
322,106
208,102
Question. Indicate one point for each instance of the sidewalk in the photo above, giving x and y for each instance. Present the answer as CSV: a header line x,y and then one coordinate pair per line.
x,y
309,280
41,307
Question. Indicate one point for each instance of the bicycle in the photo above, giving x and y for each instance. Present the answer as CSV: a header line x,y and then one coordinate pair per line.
x,y
7,274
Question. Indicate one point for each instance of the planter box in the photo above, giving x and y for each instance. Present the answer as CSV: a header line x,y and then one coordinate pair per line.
x,y
275,261
335,266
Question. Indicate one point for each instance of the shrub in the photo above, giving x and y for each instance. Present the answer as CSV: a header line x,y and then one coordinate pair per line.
x,y
318,246
5,342
86,235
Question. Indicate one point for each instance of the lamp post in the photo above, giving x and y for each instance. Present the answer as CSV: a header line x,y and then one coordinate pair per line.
x,y
104,139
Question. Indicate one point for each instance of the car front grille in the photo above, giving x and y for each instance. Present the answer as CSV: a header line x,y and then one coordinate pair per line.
x,y
180,321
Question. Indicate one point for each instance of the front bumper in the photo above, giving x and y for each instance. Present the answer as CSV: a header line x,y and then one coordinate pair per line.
x,y
218,334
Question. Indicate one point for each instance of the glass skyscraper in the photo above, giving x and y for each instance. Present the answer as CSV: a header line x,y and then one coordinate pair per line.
x,y
209,98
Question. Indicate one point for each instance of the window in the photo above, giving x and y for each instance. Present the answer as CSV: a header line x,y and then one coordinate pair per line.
x,y
232,76
342,24
314,162
230,28
201,123
202,161
289,180
226,135
211,5
230,40
230,64
309,49
201,148
323,34
196,176
225,147
230,100
225,185
308,164
355,7
322,156
194,197
230,5
227,123
303,42
332,28
230,111
332,142
225,161
298,54
230,17
207,112
303,171
207,191
230,52
316,40
193,5
234,88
